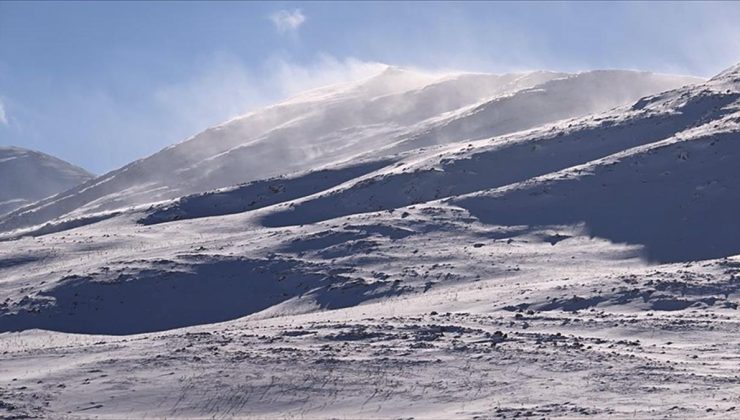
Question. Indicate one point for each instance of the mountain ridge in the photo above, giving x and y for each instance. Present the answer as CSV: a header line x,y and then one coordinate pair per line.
x,y
395,117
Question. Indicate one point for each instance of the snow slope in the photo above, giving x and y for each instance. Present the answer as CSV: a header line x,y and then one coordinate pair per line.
x,y
632,175
394,111
27,176
583,268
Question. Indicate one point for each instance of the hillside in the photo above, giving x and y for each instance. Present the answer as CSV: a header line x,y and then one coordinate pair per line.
x,y
395,111
27,176
583,266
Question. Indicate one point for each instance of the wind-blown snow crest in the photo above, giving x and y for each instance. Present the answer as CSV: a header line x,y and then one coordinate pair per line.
x,y
395,111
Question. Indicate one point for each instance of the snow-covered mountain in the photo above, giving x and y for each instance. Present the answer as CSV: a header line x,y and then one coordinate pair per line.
x,y
670,159
395,111
27,176
584,266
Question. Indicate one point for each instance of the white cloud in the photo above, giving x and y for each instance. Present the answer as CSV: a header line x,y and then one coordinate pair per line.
x,y
3,116
287,20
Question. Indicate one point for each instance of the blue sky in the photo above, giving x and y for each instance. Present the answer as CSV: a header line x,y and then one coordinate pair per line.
x,y
101,84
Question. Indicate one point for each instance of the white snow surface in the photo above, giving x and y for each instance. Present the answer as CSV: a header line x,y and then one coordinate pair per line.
x,y
27,176
575,267
394,111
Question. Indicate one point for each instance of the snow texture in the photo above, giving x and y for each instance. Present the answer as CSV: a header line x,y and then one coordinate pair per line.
x,y
395,111
538,245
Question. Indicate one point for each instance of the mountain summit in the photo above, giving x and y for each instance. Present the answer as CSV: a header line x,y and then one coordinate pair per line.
x,y
27,176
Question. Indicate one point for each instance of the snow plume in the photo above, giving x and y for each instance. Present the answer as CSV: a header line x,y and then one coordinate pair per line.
x,y
225,87
3,116
291,78
287,20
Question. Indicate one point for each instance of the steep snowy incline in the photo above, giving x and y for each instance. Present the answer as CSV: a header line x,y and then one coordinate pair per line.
x,y
678,197
561,98
655,180
689,141
392,112
27,176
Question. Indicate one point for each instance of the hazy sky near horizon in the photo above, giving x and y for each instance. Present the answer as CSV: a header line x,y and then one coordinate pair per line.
x,y
103,83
